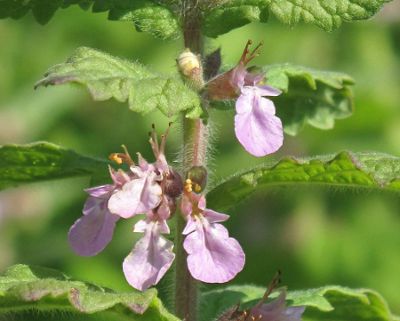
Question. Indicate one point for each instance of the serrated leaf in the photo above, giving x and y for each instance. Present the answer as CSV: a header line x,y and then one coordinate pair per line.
x,y
41,161
345,170
108,77
147,16
327,15
327,303
24,288
310,96
155,17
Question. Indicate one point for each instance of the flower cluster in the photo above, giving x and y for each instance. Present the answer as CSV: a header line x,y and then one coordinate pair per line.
x,y
256,126
153,189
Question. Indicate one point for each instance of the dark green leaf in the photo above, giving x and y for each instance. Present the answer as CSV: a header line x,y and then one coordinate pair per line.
x,y
43,161
110,77
25,288
327,303
327,15
345,170
310,96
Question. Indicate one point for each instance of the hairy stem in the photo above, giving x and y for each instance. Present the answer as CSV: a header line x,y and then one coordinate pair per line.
x,y
195,135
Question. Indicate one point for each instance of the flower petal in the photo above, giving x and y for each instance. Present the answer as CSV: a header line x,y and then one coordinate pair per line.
x,y
91,233
150,259
136,197
100,191
268,91
213,256
257,128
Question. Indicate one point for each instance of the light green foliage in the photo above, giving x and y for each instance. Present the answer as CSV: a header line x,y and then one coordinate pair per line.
x,y
327,15
345,170
43,161
310,96
25,288
326,303
110,77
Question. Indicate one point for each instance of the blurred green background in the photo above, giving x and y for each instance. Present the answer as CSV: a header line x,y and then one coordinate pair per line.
x,y
316,237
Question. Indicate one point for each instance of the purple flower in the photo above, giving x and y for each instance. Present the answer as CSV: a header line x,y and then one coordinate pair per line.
x,y
213,256
256,126
141,194
152,255
276,310
91,233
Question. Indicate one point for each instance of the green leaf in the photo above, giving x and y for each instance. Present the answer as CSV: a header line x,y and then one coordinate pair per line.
x,y
108,77
310,96
148,16
24,288
327,15
43,161
327,303
345,170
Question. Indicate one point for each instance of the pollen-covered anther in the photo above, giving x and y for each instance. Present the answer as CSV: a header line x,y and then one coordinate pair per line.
x,y
188,185
121,158
197,188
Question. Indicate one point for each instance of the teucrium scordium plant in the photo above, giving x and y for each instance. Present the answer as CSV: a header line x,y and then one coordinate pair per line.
x,y
177,227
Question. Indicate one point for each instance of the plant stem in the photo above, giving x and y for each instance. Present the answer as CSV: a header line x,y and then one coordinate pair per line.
x,y
195,135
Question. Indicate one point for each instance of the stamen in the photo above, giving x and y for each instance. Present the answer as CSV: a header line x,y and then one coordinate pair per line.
x,y
197,188
188,185
121,158
116,157
154,141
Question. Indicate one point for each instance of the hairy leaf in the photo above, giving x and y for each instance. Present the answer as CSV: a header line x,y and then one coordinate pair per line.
x,y
310,96
155,17
25,288
326,303
43,161
327,15
345,170
108,77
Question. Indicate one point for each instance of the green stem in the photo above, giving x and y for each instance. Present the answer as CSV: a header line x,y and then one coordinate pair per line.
x,y
195,135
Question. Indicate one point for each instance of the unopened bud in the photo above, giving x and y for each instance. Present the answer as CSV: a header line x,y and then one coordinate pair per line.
x,y
190,66
198,177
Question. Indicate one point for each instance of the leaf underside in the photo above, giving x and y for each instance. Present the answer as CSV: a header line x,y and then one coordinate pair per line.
x,y
162,19
108,77
326,303
24,288
374,171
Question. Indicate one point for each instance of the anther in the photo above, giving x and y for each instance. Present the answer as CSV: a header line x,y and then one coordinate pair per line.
x,y
115,157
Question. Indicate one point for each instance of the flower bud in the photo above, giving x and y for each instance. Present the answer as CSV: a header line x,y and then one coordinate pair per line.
x,y
191,68
198,178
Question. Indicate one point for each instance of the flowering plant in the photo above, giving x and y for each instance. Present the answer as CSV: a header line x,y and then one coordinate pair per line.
x,y
186,243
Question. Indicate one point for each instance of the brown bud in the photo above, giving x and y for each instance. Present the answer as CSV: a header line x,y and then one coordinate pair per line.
x,y
173,185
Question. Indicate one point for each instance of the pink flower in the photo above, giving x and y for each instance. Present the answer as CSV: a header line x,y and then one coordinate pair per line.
x,y
256,126
276,310
213,256
152,255
141,194
91,233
